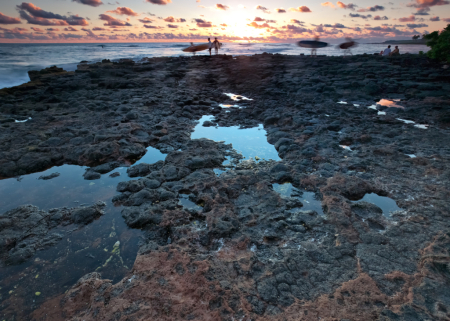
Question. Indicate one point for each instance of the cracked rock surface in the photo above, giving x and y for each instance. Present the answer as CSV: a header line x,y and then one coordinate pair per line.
x,y
242,251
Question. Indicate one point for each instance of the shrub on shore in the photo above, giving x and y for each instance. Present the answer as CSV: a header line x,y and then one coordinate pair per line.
x,y
439,44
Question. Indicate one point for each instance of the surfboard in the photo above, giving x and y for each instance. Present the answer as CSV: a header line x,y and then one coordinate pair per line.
x,y
347,45
196,48
311,44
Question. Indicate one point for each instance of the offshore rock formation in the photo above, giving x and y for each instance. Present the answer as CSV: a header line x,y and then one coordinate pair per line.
x,y
244,252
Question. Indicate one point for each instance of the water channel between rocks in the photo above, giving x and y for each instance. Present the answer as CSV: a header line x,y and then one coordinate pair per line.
x,y
308,199
106,245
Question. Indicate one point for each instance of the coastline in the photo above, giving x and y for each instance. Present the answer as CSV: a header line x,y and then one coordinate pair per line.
x,y
243,249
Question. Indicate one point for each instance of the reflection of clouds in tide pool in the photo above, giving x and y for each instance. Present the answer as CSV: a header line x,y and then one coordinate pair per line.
x,y
250,142
106,245
308,199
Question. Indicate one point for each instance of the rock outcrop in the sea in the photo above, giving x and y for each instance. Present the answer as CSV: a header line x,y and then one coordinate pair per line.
x,y
239,250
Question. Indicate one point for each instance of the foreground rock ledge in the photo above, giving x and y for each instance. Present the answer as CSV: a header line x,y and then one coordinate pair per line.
x,y
248,253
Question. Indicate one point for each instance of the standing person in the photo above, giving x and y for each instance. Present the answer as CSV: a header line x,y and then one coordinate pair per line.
x,y
210,45
314,50
216,45
387,51
395,52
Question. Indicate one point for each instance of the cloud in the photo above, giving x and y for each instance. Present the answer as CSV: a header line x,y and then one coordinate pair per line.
x,y
446,19
124,11
294,29
328,4
92,3
159,2
380,18
435,18
98,29
113,22
70,29
422,11
336,25
172,26
257,26
407,19
5,20
300,9
263,9
372,9
35,15
414,25
357,15
428,3
52,29
172,19
146,20
259,19
222,7
202,23
297,21
271,21
350,6
37,29
152,27
280,10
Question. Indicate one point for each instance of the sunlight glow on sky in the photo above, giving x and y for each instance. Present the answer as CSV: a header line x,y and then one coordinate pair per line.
x,y
229,20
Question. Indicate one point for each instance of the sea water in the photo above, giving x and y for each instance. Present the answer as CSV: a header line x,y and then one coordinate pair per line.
x,y
18,59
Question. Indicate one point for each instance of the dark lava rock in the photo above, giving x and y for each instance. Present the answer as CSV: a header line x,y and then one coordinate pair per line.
x,y
47,177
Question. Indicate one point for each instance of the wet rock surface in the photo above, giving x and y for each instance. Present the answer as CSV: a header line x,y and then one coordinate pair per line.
x,y
26,229
244,252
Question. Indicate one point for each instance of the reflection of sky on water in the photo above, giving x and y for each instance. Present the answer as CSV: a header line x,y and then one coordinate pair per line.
x,y
308,199
250,142
387,204
88,249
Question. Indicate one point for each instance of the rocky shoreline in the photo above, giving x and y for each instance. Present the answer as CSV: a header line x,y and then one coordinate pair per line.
x,y
243,251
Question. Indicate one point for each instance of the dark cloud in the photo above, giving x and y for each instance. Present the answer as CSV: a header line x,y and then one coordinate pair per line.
x,y
446,19
113,22
295,29
422,11
5,20
372,9
271,21
202,23
259,19
70,29
36,29
263,9
435,18
160,2
297,21
380,18
428,3
280,10
416,25
357,15
98,29
92,3
35,15
172,26
222,7
124,11
336,25
152,27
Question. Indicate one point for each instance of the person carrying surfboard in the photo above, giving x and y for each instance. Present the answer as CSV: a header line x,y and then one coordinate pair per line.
x,y
210,46
216,45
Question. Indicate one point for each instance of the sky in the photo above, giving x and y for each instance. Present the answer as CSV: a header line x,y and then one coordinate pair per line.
x,y
99,21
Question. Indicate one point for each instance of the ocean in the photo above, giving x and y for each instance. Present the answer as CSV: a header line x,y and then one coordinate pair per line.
x,y
17,59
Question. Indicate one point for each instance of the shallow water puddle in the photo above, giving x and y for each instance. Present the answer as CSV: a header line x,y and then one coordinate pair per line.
x,y
421,126
346,147
229,106
187,203
390,103
250,142
411,155
237,97
308,199
388,205
22,121
106,245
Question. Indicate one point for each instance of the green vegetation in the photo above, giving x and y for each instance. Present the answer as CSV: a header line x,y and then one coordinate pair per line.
x,y
439,44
